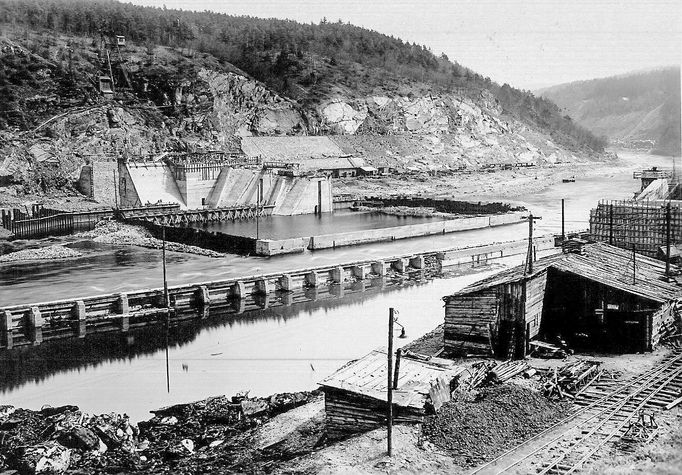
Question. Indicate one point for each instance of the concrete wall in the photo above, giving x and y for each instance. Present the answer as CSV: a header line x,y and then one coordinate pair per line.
x,y
414,230
98,181
147,183
140,184
269,247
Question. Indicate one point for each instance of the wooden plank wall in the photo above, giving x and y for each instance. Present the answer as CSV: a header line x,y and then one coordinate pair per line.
x,y
348,413
535,296
664,322
468,319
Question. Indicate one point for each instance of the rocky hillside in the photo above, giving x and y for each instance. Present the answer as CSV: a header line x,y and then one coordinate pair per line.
x,y
638,110
178,97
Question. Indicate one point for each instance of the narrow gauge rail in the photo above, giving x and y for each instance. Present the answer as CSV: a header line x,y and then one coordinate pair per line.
x,y
605,413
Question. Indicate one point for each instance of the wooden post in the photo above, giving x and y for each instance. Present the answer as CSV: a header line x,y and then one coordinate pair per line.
x,y
389,394
667,240
6,329
396,375
611,224
529,254
258,191
563,220
166,299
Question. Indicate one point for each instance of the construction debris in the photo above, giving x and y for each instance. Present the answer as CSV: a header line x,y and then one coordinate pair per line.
x,y
570,379
487,373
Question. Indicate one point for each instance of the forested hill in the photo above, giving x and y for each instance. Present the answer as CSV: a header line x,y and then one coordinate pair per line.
x,y
639,110
307,63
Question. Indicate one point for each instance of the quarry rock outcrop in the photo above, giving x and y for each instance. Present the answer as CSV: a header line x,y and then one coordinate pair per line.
x,y
242,106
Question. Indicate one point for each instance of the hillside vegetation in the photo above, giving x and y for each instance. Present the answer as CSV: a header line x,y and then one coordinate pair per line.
x,y
307,63
640,110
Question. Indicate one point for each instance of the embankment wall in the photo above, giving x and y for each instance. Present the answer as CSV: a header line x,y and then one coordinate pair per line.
x,y
414,230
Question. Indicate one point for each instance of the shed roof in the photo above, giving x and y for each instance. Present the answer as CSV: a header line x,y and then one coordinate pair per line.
x,y
602,263
367,376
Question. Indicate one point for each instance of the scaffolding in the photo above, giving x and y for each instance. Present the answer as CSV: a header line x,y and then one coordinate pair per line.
x,y
636,225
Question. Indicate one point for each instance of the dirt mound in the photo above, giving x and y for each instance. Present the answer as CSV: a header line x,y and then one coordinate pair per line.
x,y
499,418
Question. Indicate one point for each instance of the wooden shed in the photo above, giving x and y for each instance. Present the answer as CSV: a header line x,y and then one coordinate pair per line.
x,y
355,395
595,297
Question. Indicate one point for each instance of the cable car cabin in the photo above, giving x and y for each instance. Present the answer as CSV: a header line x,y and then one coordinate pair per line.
x,y
106,86
597,297
120,40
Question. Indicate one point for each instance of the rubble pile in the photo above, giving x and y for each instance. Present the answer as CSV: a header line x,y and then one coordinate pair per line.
x,y
207,436
56,251
475,427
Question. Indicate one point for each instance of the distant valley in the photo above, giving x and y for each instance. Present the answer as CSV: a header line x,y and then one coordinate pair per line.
x,y
637,110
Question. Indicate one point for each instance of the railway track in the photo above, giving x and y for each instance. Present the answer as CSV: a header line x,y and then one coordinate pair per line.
x,y
607,412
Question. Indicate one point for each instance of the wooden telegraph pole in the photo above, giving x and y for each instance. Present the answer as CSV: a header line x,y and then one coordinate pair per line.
x,y
529,256
667,240
389,394
166,301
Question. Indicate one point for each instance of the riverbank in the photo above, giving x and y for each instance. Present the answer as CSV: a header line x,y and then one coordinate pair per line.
x,y
479,185
286,433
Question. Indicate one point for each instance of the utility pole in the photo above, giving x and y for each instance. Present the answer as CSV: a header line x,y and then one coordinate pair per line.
x,y
529,255
667,240
259,192
634,264
166,301
389,394
563,219
611,224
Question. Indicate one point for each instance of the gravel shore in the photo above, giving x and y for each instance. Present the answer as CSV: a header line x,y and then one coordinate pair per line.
x,y
114,232
44,253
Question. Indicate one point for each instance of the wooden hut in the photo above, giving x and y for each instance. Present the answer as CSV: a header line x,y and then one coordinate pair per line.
x,y
595,296
356,399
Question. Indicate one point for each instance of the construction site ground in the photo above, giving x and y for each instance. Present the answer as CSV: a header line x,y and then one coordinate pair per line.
x,y
286,434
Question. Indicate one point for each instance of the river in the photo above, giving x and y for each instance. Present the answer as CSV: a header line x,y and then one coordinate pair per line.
x,y
274,350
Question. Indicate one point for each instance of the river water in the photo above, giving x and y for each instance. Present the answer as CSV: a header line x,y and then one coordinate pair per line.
x,y
279,349
306,225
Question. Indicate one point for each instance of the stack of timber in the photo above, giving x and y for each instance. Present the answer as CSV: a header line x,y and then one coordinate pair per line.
x,y
469,323
356,394
486,373
478,374
666,323
571,378
503,372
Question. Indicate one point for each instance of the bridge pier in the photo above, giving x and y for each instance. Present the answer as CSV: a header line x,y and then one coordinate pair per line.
x,y
359,272
286,282
203,297
337,275
35,326
379,268
264,287
6,329
401,265
122,303
239,289
80,314
312,279
417,262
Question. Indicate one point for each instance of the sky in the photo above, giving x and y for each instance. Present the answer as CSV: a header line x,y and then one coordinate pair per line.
x,y
526,43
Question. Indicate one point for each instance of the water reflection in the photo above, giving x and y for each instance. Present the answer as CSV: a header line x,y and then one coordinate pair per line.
x,y
264,350
34,364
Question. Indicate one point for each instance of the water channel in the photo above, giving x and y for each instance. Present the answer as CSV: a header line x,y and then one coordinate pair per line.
x,y
273,350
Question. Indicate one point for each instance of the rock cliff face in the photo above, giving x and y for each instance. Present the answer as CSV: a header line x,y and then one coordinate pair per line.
x,y
180,103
